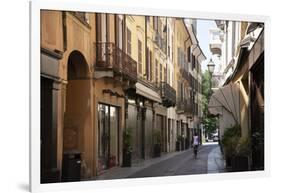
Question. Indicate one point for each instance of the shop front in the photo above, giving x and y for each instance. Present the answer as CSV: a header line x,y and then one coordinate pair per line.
x,y
108,136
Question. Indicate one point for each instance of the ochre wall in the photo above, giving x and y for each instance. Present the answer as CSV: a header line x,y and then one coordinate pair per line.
x,y
51,30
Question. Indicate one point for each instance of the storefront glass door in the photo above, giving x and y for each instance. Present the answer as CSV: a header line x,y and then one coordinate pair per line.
x,y
108,132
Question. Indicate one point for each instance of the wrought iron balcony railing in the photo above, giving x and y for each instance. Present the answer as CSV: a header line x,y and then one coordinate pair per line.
x,y
168,94
110,57
148,83
184,106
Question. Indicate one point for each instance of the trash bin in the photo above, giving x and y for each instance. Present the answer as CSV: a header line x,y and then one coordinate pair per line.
x,y
71,166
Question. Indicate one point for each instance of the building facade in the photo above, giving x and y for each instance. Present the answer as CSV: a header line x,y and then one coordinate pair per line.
x,y
240,48
106,74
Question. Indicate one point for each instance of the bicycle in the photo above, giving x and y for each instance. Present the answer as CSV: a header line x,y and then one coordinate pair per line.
x,y
195,151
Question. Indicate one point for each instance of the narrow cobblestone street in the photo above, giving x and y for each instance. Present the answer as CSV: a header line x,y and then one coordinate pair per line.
x,y
182,164
209,160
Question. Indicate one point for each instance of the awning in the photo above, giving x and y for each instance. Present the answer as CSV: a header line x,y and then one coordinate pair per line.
x,y
226,97
147,92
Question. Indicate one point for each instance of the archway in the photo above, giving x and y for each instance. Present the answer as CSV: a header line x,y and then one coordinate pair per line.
x,y
77,117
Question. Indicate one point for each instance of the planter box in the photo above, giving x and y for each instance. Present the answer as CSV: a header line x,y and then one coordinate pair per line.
x,y
240,163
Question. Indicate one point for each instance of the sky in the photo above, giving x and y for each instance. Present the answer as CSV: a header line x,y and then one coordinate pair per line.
x,y
203,36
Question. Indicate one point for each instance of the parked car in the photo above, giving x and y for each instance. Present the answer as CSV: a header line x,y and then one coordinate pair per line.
x,y
215,138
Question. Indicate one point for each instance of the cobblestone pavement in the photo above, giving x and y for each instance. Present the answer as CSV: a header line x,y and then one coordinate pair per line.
x,y
209,160
185,164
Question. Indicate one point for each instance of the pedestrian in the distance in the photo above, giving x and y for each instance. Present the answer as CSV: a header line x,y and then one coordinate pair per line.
x,y
195,144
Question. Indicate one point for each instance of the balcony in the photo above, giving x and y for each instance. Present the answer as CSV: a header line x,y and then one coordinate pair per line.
x,y
148,83
215,47
168,94
111,61
184,106
216,41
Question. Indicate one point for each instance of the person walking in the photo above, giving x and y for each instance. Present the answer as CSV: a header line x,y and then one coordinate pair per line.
x,y
195,143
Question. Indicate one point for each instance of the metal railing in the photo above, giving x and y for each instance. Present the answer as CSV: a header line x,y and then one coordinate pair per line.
x,y
148,83
184,106
168,94
110,57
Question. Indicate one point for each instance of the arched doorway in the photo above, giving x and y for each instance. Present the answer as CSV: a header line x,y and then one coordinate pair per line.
x,y
77,117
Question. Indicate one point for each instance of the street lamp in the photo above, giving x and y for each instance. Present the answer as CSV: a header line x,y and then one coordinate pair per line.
x,y
211,67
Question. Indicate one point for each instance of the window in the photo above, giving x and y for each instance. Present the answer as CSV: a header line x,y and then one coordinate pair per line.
x,y
147,19
172,56
129,43
156,70
101,27
147,63
139,56
179,90
159,27
155,23
165,75
193,61
188,54
161,72
168,42
82,16
179,57
168,78
119,31
150,64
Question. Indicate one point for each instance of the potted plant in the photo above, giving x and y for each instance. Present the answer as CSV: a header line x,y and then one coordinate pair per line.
x,y
157,143
240,161
182,142
178,143
127,148
186,143
229,141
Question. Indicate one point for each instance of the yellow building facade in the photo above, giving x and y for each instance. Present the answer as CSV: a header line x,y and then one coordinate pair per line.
x,y
104,76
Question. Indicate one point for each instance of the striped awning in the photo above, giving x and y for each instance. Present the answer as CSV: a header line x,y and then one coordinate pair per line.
x,y
226,97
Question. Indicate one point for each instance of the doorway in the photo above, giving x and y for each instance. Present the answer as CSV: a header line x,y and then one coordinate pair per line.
x,y
77,131
108,136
